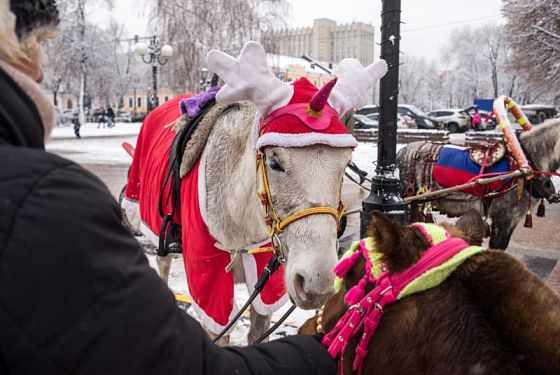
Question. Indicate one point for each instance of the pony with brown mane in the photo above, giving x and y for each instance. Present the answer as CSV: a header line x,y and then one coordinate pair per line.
x,y
490,316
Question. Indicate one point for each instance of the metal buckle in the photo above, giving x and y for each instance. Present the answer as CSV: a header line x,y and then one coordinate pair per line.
x,y
276,244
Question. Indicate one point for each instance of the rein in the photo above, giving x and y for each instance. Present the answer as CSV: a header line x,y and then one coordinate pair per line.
x,y
366,309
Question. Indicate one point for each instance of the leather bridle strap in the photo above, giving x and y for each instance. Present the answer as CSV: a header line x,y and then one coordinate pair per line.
x,y
310,211
277,225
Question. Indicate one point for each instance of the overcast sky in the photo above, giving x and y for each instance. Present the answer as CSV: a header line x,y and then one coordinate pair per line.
x,y
428,23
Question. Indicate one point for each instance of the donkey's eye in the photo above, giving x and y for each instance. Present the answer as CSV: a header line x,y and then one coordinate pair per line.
x,y
275,165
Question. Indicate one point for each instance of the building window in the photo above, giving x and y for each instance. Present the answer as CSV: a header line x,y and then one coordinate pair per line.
x,y
69,104
166,98
139,102
130,102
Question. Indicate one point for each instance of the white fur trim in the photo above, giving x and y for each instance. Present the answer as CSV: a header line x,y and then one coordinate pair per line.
x,y
208,322
307,139
250,267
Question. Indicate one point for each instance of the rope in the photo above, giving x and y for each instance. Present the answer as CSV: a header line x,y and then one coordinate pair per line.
x,y
260,250
276,325
272,266
309,211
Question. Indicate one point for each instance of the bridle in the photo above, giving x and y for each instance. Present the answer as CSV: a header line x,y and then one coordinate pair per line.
x,y
275,227
275,224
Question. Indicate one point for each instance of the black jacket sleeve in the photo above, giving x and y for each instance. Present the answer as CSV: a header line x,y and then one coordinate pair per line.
x,y
79,297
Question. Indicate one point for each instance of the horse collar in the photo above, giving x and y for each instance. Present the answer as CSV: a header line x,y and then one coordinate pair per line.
x,y
442,258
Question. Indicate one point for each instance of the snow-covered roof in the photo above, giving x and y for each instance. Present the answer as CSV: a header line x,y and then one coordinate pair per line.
x,y
282,62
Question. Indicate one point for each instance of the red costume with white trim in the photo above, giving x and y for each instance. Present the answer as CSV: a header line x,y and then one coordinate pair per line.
x,y
210,286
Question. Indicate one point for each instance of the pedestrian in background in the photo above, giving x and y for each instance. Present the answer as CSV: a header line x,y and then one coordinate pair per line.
x,y
77,126
101,119
110,114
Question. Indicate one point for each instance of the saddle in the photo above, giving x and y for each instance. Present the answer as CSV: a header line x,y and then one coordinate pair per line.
x,y
487,155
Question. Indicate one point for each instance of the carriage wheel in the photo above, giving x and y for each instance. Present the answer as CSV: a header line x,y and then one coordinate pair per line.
x,y
124,219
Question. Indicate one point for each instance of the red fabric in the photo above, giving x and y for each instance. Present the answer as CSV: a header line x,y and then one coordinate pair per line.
x,y
210,286
292,124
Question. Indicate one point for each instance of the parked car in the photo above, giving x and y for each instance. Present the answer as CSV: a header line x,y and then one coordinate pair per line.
x,y
368,109
402,121
454,120
419,118
423,121
362,122
66,116
538,113
122,116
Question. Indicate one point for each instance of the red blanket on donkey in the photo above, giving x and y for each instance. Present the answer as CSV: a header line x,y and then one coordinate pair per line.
x,y
210,285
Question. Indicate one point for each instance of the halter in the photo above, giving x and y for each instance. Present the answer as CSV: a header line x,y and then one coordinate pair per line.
x,y
443,256
274,223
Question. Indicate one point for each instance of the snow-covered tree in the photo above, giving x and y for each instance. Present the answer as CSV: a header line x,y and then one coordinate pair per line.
x,y
193,27
533,31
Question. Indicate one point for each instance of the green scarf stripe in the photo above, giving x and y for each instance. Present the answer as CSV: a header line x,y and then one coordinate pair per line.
x,y
338,282
437,232
437,275
429,279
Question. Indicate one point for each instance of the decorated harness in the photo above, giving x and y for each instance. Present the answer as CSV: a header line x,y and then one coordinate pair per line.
x,y
365,310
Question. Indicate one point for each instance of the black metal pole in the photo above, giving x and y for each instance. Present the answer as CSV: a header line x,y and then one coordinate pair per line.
x,y
155,99
385,195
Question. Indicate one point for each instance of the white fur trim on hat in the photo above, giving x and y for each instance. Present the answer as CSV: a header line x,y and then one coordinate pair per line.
x,y
307,139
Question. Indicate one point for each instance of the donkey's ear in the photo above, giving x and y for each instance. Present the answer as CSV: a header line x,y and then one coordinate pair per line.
x,y
469,227
400,245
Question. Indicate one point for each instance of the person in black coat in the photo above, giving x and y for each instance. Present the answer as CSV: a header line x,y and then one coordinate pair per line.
x,y
77,295
77,126
110,114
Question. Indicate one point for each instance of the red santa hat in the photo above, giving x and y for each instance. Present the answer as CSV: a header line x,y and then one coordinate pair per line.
x,y
295,115
306,120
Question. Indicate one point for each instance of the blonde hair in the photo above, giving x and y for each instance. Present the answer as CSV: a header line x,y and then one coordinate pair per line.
x,y
21,52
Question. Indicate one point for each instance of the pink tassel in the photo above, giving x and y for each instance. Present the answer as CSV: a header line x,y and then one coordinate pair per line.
x,y
355,294
345,265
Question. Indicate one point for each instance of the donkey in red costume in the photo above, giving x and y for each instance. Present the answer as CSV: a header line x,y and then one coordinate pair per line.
x,y
269,142
491,315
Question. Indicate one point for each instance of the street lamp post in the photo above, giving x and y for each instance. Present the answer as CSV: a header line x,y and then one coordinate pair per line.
x,y
203,79
157,55
385,185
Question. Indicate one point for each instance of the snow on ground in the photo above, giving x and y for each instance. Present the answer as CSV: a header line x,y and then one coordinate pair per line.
x,y
106,149
178,284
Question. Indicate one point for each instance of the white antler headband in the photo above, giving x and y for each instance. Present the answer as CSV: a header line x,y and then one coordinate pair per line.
x,y
249,78
354,81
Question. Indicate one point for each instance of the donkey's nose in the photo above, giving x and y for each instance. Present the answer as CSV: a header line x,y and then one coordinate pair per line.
x,y
307,299
299,284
